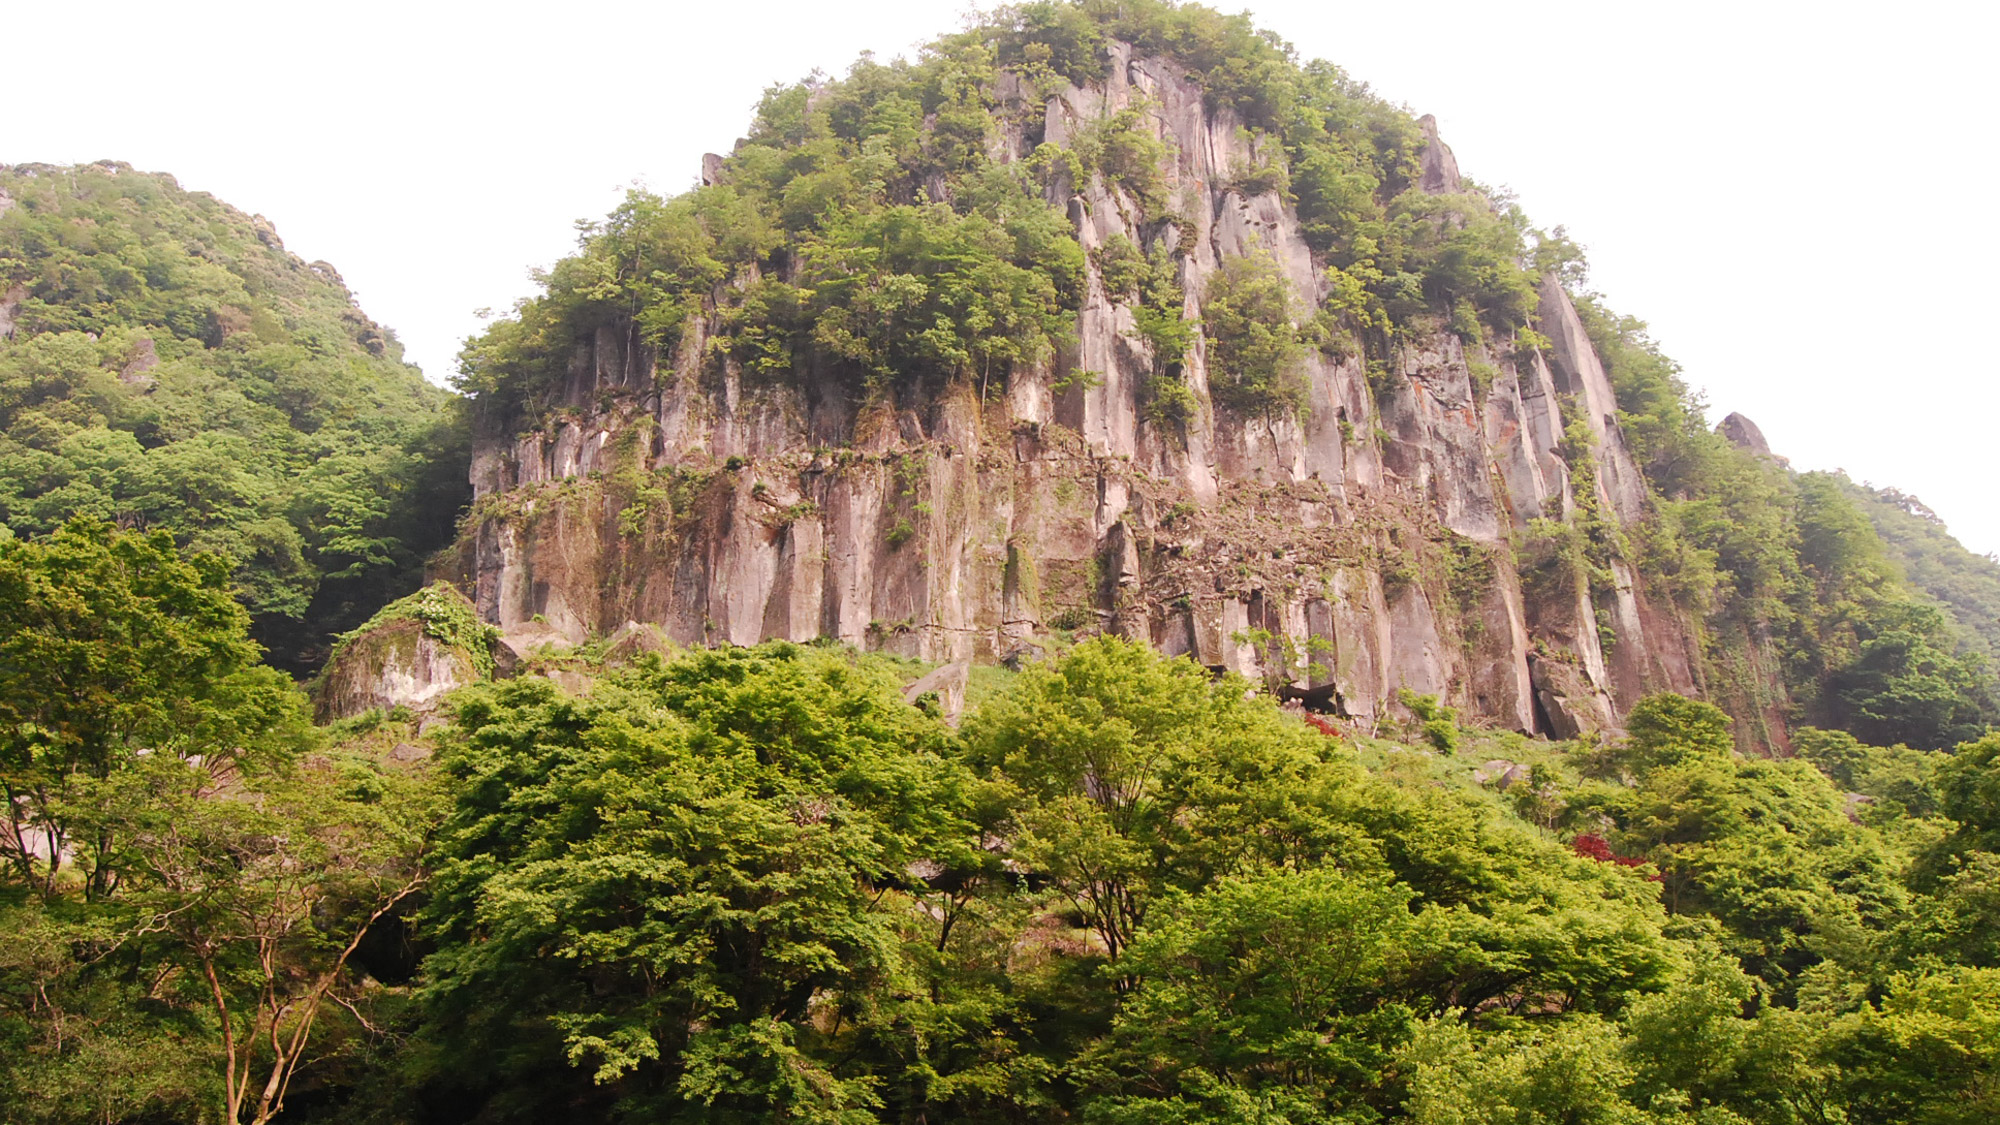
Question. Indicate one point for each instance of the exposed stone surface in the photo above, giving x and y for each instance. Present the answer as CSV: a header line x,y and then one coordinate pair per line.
x,y
571,680
523,640
948,684
10,301
396,664
10,305
633,640
1742,433
1500,773
1571,704
144,358
1440,167
1365,544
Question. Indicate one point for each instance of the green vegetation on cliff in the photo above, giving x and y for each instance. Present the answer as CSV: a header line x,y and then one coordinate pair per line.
x,y
879,239
165,363
876,236
1752,549
756,884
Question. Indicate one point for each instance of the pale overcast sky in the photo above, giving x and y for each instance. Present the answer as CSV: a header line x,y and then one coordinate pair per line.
x,y
1791,193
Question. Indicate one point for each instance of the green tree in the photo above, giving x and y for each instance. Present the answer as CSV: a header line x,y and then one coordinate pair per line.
x,y
1906,685
1567,1073
1254,348
1281,996
677,887
1968,792
1928,1055
1136,773
114,647
189,888
1670,730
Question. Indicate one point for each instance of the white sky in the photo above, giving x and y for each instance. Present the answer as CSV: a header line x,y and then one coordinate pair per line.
x,y
1789,192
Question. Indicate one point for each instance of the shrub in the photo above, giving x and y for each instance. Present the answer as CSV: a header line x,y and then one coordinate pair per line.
x,y
1254,345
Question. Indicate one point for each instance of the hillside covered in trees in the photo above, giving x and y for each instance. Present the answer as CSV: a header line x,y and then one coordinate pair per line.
x,y
165,363
1084,576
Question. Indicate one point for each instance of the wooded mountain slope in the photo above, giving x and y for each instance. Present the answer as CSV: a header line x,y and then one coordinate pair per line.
x,y
1966,584
165,363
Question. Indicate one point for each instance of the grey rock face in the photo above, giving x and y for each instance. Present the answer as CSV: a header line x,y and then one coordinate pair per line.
x,y
10,306
144,358
1440,167
396,665
948,685
1742,433
1366,543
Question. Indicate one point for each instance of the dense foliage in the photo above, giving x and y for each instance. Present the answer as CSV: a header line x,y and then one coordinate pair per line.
x,y
756,885
1752,550
188,877
168,365
1967,585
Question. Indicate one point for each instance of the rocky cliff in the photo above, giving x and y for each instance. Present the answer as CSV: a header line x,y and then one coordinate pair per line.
x,y
1405,529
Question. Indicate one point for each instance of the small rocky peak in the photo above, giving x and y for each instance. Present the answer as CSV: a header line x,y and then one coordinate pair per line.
x,y
1440,167
711,169
1742,433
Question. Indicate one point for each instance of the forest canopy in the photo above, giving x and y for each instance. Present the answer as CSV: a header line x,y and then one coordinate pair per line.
x,y
757,884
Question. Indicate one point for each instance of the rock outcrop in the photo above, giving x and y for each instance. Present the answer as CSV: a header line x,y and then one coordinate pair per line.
x,y
410,655
1382,538
1744,434
10,307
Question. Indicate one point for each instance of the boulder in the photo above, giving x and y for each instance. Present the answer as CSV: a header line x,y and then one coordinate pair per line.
x,y
948,685
1745,435
10,303
570,680
1572,706
394,664
521,642
1501,773
412,654
634,639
